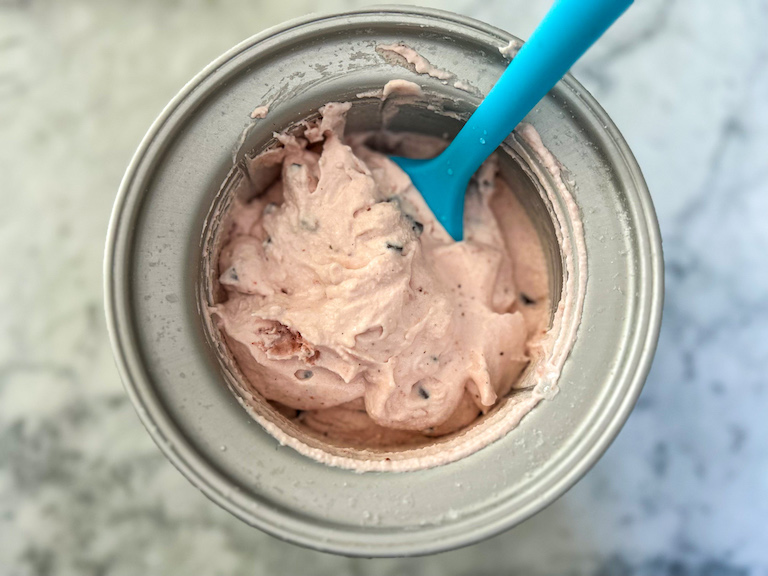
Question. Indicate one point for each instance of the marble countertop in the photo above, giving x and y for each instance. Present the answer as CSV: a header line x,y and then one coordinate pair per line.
x,y
83,490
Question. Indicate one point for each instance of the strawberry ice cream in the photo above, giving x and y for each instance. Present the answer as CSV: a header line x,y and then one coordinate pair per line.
x,y
352,311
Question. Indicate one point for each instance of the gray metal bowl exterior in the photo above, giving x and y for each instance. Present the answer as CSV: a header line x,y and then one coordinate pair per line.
x,y
152,265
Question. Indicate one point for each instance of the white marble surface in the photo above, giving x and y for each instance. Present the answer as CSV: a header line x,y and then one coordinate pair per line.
x,y
683,490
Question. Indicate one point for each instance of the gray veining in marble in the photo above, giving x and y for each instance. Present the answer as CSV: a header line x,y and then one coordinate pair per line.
x,y
683,490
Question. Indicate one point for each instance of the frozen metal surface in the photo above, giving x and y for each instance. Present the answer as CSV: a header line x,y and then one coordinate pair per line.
x,y
154,256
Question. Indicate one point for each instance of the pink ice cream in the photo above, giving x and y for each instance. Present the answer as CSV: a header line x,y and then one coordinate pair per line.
x,y
350,308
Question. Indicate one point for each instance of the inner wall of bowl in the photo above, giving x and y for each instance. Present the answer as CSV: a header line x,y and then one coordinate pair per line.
x,y
365,115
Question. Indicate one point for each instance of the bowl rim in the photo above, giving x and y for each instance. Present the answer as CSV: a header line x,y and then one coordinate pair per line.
x,y
177,449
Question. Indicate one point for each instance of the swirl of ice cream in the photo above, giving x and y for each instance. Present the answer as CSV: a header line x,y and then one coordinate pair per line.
x,y
348,301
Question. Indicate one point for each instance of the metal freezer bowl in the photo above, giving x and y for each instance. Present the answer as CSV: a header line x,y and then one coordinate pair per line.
x,y
172,375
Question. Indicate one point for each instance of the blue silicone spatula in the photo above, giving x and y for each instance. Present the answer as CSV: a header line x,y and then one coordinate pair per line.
x,y
565,33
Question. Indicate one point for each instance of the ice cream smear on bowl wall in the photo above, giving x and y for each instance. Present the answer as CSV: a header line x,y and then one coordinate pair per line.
x,y
351,310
